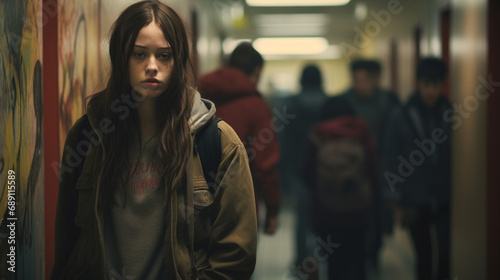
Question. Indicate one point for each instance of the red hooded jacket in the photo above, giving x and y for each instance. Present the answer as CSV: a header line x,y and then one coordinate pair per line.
x,y
239,103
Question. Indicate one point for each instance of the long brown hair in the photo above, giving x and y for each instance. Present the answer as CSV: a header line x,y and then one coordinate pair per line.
x,y
173,106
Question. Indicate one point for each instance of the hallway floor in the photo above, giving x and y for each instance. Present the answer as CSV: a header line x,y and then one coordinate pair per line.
x,y
275,254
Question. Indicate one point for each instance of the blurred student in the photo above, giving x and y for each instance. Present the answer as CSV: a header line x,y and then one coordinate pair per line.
x,y
418,165
373,104
233,89
306,108
341,170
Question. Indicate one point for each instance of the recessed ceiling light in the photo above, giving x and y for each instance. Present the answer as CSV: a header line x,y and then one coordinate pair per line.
x,y
292,3
290,45
361,11
291,25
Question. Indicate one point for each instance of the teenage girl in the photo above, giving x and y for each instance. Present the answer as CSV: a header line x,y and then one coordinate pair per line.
x,y
133,199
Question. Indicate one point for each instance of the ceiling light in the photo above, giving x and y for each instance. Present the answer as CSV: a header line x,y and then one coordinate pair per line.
x,y
292,25
361,11
291,45
292,3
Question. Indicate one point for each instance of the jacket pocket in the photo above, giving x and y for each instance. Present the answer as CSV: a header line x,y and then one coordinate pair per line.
x,y
203,201
86,199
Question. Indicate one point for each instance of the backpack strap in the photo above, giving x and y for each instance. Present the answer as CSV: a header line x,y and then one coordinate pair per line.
x,y
85,126
207,143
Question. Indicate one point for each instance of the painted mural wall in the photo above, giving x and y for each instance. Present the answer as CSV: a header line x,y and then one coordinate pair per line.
x,y
21,147
81,71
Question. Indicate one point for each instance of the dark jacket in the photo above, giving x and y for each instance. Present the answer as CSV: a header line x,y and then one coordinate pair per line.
x,y
306,108
415,164
239,103
342,127
214,237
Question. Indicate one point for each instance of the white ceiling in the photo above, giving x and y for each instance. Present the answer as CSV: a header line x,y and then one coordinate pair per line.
x,y
336,23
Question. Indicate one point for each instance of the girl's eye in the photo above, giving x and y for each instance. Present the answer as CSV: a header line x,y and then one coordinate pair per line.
x,y
139,55
165,56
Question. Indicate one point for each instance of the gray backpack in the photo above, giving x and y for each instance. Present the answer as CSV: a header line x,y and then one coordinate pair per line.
x,y
341,175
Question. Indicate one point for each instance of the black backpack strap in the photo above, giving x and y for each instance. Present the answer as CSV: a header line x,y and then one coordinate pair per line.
x,y
210,151
85,125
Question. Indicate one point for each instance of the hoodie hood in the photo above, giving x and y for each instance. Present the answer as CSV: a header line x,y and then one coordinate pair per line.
x,y
226,84
352,127
203,111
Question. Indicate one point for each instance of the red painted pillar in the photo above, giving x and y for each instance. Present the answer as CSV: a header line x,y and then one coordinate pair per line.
x,y
50,125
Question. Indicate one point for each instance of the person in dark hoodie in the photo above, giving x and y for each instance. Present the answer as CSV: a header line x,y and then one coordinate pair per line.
x,y
418,166
233,89
341,170
306,106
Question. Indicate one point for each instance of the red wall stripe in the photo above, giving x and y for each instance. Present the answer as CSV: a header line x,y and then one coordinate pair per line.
x,y
50,127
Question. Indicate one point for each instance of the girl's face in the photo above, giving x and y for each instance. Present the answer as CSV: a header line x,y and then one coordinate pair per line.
x,y
151,63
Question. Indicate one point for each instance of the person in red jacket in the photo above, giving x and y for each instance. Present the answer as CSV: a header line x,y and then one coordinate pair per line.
x,y
233,89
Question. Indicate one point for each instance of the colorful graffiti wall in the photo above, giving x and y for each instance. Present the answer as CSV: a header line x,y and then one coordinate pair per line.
x,y
81,70
21,147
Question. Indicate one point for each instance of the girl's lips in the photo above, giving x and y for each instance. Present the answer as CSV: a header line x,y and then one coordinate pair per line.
x,y
151,83
151,80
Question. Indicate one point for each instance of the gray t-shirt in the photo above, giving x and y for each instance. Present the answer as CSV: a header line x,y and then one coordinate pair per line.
x,y
134,225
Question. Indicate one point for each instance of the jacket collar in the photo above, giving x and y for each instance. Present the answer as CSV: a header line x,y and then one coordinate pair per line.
x,y
203,111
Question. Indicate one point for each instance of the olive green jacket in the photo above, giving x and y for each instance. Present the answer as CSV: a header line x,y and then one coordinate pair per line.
x,y
208,235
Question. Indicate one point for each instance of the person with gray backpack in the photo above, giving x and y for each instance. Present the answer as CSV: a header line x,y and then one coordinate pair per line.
x,y
341,170
374,104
